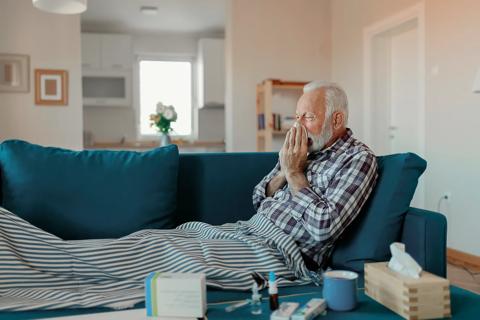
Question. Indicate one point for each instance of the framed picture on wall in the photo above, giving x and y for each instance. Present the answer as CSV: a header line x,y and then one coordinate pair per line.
x,y
14,72
51,87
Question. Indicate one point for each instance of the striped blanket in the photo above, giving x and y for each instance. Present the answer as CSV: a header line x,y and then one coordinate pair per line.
x,y
41,271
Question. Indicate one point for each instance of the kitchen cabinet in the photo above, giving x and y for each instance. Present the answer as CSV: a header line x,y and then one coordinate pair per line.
x,y
107,51
107,70
211,73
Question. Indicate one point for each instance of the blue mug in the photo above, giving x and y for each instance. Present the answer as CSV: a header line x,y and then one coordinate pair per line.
x,y
340,289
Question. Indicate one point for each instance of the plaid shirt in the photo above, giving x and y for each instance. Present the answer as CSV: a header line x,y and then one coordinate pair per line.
x,y
341,178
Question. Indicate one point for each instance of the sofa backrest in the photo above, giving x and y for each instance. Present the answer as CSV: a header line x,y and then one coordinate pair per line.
x,y
217,187
380,222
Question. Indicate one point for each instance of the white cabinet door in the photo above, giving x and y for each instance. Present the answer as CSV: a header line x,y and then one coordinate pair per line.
x,y
111,88
116,51
91,50
212,72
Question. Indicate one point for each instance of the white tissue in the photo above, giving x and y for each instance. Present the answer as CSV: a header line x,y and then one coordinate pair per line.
x,y
402,262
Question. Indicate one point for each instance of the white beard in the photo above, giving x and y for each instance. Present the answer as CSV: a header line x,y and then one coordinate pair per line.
x,y
319,141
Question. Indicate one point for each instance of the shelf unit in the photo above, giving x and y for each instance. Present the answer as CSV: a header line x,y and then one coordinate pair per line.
x,y
265,93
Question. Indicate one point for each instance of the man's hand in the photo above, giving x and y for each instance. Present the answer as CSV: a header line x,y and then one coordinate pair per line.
x,y
293,155
293,158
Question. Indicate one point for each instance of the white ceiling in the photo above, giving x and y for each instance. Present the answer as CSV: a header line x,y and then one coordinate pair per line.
x,y
174,16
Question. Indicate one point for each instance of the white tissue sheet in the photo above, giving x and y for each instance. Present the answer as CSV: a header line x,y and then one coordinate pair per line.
x,y
402,262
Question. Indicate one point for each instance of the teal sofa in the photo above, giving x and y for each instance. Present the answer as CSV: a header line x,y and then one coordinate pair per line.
x,y
217,187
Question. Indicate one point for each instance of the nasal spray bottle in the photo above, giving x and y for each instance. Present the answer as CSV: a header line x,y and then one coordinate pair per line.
x,y
273,291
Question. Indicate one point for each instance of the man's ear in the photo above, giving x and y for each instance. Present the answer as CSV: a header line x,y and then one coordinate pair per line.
x,y
338,120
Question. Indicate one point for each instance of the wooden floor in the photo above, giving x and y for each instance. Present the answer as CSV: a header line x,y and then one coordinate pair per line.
x,y
464,278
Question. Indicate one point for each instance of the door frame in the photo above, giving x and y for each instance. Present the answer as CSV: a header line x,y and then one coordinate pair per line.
x,y
416,12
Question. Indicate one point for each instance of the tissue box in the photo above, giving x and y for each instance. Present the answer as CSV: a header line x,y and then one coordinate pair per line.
x,y
425,298
175,295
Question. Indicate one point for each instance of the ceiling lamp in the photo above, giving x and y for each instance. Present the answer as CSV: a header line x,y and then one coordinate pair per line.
x,y
61,6
149,10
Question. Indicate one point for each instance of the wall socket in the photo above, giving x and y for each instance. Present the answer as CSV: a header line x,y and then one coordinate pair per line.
x,y
447,196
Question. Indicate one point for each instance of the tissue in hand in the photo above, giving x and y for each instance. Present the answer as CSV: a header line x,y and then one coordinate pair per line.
x,y
402,262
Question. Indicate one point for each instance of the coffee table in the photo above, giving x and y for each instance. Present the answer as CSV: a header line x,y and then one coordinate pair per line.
x,y
464,304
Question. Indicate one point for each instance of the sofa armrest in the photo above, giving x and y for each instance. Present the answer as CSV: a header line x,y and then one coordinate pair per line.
x,y
425,237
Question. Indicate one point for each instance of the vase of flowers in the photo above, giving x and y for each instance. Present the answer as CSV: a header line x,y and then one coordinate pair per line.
x,y
162,120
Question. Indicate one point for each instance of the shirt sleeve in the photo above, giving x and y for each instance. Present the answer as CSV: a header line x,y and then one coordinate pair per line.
x,y
326,215
259,192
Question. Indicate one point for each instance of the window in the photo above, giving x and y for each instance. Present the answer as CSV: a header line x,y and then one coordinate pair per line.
x,y
169,82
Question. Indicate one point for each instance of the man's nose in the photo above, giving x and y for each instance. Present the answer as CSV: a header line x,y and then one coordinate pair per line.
x,y
300,125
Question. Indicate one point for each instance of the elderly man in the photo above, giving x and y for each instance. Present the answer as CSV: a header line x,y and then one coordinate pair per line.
x,y
323,177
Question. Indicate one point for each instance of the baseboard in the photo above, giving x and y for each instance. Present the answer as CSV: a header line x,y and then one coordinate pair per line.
x,y
463,259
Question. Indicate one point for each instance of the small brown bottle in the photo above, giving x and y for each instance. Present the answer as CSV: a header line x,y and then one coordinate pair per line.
x,y
273,291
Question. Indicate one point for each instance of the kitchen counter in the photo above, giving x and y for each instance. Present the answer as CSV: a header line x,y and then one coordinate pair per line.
x,y
183,146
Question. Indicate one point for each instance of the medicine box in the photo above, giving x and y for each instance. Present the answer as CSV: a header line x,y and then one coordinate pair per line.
x,y
427,297
310,310
285,311
175,295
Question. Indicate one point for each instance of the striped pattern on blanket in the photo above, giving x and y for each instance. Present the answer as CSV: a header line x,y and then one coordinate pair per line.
x,y
41,271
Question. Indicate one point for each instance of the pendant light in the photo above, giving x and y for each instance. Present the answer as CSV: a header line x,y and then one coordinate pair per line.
x,y
61,6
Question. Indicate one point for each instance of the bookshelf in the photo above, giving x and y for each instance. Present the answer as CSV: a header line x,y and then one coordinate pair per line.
x,y
276,103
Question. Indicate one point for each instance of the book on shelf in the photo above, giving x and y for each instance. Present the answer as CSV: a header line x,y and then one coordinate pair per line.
x,y
261,121
276,121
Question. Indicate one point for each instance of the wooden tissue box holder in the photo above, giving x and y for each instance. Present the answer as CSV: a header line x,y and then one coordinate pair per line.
x,y
425,298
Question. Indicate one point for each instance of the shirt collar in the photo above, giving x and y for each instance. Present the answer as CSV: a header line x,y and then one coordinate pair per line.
x,y
338,146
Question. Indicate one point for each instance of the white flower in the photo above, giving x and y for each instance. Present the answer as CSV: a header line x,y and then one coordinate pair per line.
x,y
161,107
169,114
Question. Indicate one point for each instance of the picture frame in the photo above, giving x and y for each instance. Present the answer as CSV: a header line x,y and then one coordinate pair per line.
x,y
51,87
14,73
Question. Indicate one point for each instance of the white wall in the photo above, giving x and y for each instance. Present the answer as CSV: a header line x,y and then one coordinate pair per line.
x,y
52,42
211,124
168,44
453,113
287,39
452,110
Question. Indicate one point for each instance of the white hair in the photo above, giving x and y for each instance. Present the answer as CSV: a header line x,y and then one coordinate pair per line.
x,y
335,97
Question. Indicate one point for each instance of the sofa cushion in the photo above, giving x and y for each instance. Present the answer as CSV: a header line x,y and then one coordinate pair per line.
x,y
89,194
380,222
